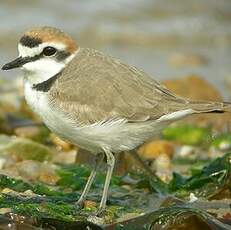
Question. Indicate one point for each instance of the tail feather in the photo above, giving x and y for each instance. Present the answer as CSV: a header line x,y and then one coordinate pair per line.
x,y
210,107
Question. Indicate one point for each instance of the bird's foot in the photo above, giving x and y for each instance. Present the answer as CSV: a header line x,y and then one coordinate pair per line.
x,y
100,212
79,204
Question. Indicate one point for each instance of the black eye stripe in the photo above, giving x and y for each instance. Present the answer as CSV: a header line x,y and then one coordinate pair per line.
x,y
61,55
30,41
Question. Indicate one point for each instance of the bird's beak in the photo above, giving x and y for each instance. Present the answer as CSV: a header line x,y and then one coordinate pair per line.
x,y
18,62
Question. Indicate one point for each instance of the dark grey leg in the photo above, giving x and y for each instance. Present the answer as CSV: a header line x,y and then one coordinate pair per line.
x,y
90,180
110,163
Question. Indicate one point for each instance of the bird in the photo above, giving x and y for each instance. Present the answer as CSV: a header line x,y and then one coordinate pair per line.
x,y
94,100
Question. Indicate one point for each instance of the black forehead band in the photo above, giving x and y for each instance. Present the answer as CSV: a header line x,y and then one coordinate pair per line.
x,y
30,41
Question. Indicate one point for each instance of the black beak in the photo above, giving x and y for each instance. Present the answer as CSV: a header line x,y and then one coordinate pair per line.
x,y
18,62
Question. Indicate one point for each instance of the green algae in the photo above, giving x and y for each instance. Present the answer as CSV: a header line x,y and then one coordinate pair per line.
x,y
75,176
188,134
25,149
222,141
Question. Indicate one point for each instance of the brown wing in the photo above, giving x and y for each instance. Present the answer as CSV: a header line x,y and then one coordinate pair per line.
x,y
96,87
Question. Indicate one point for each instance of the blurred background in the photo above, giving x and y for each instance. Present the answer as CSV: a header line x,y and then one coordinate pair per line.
x,y
167,39
184,44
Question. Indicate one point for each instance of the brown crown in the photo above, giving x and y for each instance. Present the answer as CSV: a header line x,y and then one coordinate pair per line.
x,y
48,34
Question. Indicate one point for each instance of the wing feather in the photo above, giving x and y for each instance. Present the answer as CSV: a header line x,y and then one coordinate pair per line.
x,y
96,87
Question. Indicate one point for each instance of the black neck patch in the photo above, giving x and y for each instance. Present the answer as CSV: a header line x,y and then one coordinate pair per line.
x,y
30,41
45,85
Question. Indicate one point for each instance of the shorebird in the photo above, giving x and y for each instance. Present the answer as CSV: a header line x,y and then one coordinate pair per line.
x,y
95,101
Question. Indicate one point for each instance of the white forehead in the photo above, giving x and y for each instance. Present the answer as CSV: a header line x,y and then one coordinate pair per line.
x,y
25,51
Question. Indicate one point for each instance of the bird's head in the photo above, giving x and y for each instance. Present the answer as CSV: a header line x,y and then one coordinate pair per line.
x,y
43,51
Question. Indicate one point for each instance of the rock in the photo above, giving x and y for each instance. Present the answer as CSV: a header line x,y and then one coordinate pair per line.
x,y
196,88
25,149
34,170
187,59
29,169
153,149
193,87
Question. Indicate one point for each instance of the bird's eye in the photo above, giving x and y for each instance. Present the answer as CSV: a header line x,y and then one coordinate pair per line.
x,y
49,51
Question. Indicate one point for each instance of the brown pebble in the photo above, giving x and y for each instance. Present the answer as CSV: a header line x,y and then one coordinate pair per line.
x,y
153,149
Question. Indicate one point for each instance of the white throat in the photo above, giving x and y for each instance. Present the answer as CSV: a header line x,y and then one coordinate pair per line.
x,y
42,69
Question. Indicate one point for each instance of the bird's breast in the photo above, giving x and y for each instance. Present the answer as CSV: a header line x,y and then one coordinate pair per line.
x,y
47,111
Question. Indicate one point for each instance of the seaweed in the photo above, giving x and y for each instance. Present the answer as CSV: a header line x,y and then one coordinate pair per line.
x,y
55,205
215,174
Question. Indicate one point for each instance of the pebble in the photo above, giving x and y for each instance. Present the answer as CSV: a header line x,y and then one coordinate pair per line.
x,y
153,149
163,167
27,132
185,151
60,143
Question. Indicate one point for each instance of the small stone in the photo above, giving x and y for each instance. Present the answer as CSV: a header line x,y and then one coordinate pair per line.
x,y
185,151
163,167
127,187
65,157
48,174
192,198
61,143
5,210
89,204
225,146
27,132
29,193
29,169
9,191
153,149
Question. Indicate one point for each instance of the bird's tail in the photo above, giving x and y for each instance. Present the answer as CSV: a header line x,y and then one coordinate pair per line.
x,y
210,107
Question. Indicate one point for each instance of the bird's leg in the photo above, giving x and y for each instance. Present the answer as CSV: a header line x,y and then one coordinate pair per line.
x,y
99,159
110,164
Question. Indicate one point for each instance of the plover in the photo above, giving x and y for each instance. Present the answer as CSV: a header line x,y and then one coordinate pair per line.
x,y
96,101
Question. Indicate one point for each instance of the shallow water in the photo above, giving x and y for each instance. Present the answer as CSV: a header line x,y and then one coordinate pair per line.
x,y
143,33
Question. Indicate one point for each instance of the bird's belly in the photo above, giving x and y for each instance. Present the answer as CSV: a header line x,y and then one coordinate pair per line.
x,y
114,135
